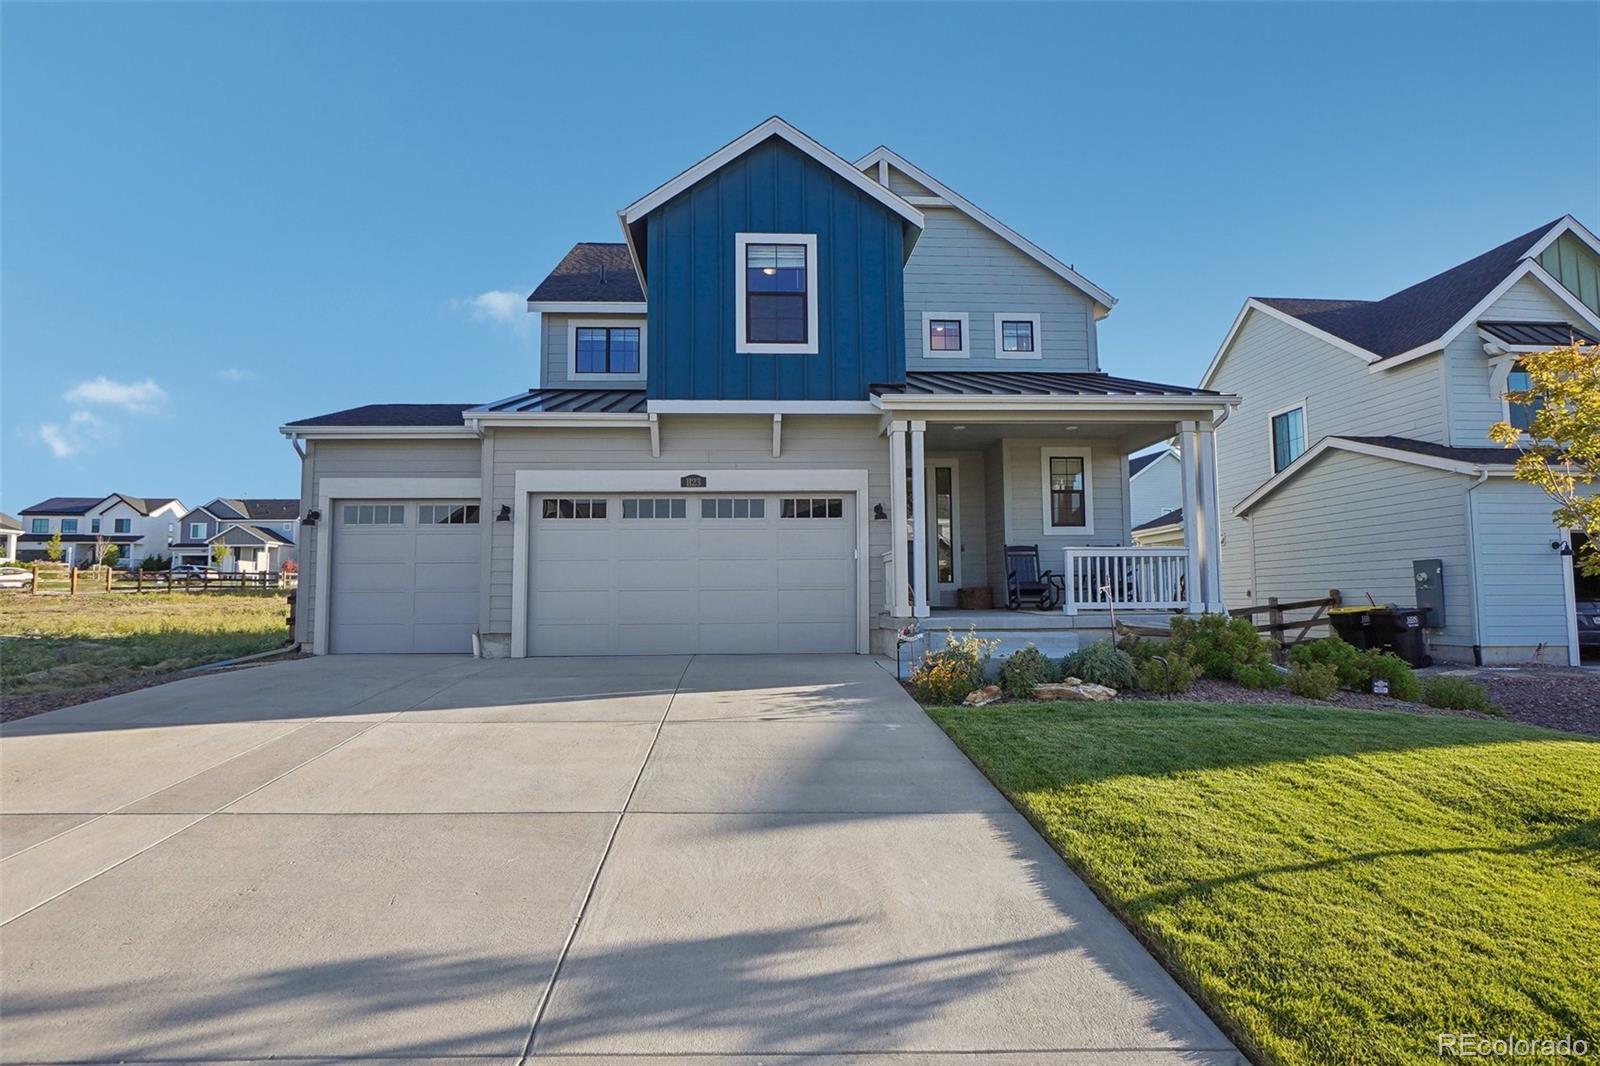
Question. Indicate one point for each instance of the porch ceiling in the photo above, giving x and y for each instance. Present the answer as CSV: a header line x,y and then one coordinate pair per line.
x,y
978,435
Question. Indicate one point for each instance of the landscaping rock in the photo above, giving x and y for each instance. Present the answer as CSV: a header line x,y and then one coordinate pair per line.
x,y
1073,689
982,697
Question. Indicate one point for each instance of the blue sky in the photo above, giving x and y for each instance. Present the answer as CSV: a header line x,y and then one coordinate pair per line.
x,y
220,218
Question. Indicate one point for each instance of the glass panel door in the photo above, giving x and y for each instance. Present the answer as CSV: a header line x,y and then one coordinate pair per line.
x,y
944,547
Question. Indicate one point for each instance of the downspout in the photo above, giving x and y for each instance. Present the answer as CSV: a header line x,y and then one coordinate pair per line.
x,y
1472,556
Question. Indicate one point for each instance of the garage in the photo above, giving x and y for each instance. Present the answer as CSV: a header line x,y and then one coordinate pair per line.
x,y
737,573
404,576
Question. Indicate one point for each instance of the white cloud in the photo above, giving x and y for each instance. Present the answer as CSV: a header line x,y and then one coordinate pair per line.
x,y
137,397
83,431
234,373
500,306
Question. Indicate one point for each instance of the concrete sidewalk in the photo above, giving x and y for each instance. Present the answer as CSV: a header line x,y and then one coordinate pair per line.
x,y
423,857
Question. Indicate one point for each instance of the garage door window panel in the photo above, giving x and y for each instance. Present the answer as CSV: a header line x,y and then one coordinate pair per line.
x,y
556,508
447,514
733,507
374,514
812,507
655,507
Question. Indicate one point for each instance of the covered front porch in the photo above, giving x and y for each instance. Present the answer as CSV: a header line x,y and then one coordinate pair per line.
x,y
1023,496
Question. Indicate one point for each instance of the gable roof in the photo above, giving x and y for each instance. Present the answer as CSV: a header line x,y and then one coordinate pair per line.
x,y
64,505
591,273
9,523
882,153
391,414
1424,317
1471,462
145,505
1139,462
261,510
632,216
1171,518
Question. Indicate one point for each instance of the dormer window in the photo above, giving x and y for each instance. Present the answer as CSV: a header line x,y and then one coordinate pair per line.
x,y
776,311
599,348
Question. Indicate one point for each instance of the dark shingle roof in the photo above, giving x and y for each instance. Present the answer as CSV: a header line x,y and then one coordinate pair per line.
x,y
1171,518
144,504
393,414
1476,456
260,510
1029,383
1542,334
572,401
592,273
272,534
80,538
64,505
1416,315
1139,462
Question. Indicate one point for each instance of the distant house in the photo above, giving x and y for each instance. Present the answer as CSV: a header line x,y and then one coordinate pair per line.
x,y
1360,457
258,534
10,530
138,526
1162,531
1155,485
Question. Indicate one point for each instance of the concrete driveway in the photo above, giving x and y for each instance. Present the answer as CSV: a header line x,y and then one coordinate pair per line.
x,y
423,857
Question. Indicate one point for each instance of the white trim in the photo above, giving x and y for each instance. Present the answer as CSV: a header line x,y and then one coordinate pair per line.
x,y
899,565
919,521
575,324
1254,304
200,535
719,482
580,307
1001,318
248,529
560,419
1161,406
761,407
377,432
741,346
881,154
1567,224
1569,587
930,317
772,127
931,462
333,489
1272,439
1049,451
1399,455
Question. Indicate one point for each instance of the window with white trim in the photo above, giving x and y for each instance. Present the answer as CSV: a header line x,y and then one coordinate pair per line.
x,y
40,525
1016,336
811,507
1521,415
654,507
568,507
945,334
197,531
776,293
1288,436
1066,492
122,525
69,525
94,525
603,348
732,507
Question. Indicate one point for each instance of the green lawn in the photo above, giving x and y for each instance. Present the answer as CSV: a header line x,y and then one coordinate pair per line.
x,y
54,643
1342,885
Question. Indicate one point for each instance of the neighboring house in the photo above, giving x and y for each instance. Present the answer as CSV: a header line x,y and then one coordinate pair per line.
x,y
10,530
1155,484
1360,453
259,535
1162,531
138,526
803,402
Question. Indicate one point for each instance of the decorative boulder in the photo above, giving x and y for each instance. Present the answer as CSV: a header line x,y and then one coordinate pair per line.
x,y
982,697
1073,689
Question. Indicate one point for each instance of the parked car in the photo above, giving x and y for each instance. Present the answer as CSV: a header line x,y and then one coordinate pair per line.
x,y
15,577
1587,593
194,570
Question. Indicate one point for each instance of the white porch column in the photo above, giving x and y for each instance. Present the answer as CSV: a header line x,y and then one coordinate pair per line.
x,y
919,523
1210,518
1188,464
899,605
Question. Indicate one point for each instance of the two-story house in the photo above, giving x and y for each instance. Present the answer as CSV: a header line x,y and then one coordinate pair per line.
x,y
138,526
258,534
801,402
1360,459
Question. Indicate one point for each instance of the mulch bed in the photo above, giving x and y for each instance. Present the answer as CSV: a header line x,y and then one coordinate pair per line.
x,y
16,707
1555,697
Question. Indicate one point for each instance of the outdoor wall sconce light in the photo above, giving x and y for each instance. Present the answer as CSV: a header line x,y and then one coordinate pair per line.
x,y
1561,548
505,513
878,513
311,518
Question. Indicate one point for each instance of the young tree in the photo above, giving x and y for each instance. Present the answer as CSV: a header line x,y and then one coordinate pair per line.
x,y
100,549
53,549
111,556
1561,446
219,552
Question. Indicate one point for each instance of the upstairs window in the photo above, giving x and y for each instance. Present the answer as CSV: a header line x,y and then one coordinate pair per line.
x,y
94,525
1288,436
1016,336
197,531
122,525
777,295
69,525
944,334
606,350
41,525
1521,414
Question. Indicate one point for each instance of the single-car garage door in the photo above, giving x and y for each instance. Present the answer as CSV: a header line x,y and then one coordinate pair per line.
x,y
748,573
404,576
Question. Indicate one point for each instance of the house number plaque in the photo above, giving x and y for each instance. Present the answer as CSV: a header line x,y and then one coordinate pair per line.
x,y
693,481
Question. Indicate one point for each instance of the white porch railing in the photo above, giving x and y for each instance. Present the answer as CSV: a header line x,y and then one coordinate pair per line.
x,y
1098,579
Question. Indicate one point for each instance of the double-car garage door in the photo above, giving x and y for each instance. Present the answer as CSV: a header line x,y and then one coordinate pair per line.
x,y
671,574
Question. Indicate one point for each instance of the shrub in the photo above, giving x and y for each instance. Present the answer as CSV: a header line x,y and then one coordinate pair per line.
x,y
156,563
1258,675
1102,663
1219,645
1313,680
1349,663
291,567
1024,669
1403,681
1166,673
947,675
1457,693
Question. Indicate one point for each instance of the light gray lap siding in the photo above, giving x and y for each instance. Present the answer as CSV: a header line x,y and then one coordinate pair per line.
x,y
553,352
960,266
700,443
1024,492
1474,405
1519,574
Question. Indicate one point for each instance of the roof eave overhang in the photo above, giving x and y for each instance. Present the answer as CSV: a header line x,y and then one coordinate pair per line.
x,y
1399,455
294,432
588,307
557,419
897,401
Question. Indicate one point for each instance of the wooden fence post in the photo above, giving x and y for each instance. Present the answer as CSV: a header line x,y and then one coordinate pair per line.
x,y
108,579
72,581
1275,619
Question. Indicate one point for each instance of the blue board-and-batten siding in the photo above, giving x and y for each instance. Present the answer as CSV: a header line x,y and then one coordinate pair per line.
x,y
690,261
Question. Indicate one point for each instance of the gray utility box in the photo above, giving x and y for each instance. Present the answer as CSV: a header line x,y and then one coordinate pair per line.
x,y
1429,577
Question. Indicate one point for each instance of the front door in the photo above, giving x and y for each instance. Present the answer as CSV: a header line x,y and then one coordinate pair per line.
x,y
944,532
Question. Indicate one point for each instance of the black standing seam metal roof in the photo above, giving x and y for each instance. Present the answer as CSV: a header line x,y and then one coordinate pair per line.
x,y
1413,316
592,273
1029,383
1543,334
572,401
